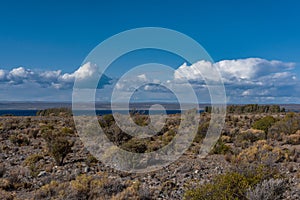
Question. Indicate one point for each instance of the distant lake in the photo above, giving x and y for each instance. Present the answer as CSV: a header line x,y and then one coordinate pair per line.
x,y
18,112
83,112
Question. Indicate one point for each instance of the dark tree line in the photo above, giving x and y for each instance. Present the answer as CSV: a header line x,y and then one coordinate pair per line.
x,y
251,108
54,112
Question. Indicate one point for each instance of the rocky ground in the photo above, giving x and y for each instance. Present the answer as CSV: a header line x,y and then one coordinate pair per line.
x,y
28,170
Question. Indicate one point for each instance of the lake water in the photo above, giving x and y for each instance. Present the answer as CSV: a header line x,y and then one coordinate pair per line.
x,y
98,112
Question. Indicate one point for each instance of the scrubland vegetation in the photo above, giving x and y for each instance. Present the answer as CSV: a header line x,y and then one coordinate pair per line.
x,y
256,157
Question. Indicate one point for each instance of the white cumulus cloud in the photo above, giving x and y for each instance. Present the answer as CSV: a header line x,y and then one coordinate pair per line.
x,y
246,80
2,74
55,79
86,71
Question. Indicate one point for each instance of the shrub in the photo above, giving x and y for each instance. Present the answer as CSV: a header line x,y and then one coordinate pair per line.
x,y
293,139
6,195
107,120
231,185
67,131
131,192
2,170
50,190
16,178
5,184
271,189
32,159
116,135
246,138
226,139
201,133
262,152
288,125
140,120
135,145
32,162
58,146
90,160
224,187
220,148
168,137
83,187
154,145
33,133
19,139
264,123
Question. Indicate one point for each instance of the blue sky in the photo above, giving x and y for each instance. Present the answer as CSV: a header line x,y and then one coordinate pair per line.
x,y
53,35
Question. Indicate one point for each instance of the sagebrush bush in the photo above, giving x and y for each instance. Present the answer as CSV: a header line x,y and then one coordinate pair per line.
x,y
16,178
50,190
271,189
6,195
231,185
19,139
293,139
245,138
287,126
32,162
5,184
262,152
87,187
116,135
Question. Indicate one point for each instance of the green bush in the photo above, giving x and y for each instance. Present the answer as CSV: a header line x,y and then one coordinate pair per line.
x,y
135,145
91,160
232,185
58,146
264,123
106,120
32,159
220,148
225,187
67,131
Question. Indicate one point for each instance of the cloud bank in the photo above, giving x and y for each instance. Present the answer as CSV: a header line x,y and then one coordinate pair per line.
x,y
251,80
51,79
